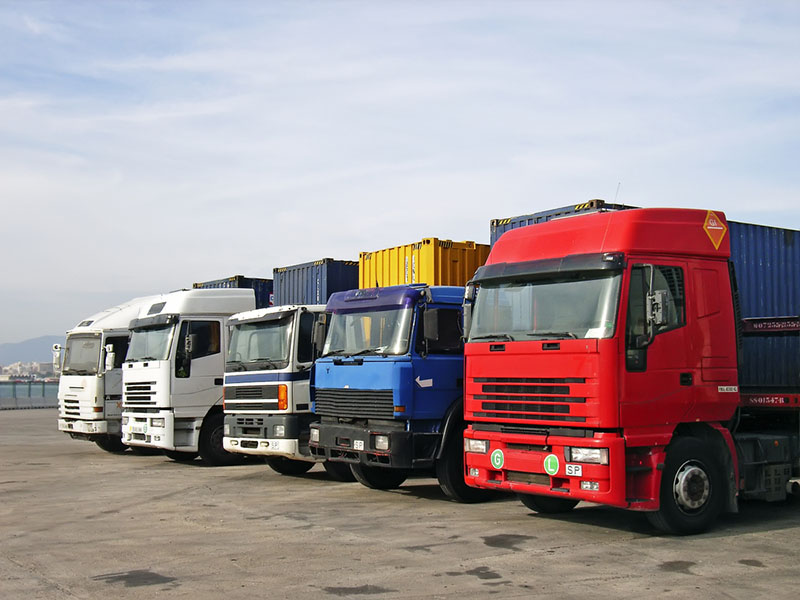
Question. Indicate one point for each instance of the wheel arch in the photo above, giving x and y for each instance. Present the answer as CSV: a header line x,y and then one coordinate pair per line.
x,y
453,425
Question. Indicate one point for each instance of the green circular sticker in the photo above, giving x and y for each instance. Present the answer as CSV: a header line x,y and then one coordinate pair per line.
x,y
497,459
551,464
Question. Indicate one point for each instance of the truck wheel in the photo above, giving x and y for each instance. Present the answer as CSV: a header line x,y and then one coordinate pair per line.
x,y
548,505
210,444
450,473
692,489
379,478
180,456
111,443
287,466
338,471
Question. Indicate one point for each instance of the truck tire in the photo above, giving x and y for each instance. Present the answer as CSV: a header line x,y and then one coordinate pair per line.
x,y
111,443
180,456
692,488
210,444
548,505
338,471
287,466
450,473
379,478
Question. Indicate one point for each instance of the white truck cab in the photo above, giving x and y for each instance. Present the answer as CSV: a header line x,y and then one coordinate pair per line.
x,y
267,385
90,386
173,373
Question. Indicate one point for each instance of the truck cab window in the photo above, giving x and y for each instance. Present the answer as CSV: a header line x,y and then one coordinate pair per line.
x,y
205,342
449,340
305,350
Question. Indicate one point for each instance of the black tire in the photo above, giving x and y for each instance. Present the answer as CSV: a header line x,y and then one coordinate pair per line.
x,y
145,451
287,466
549,505
450,473
210,445
180,456
379,478
111,443
338,471
692,488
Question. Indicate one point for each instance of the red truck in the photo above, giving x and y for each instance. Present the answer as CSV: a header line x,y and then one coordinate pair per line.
x,y
647,359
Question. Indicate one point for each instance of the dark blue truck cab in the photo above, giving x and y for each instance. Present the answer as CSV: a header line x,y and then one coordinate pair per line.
x,y
388,387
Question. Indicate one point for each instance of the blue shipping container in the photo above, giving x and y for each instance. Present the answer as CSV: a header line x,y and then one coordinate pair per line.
x,y
767,264
499,226
314,282
262,287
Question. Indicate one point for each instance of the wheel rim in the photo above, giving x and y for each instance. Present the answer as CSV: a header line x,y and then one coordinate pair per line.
x,y
691,487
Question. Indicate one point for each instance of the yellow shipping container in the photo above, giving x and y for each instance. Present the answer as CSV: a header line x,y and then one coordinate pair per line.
x,y
432,261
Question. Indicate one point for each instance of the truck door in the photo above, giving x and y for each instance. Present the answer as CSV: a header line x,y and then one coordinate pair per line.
x,y
438,378
197,375
657,371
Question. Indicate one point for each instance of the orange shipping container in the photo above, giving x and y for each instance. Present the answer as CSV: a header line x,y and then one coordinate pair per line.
x,y
432,261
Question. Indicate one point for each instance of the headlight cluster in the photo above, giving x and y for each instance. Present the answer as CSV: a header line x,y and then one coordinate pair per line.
x,y
124,420
157,422
314,435
381,442
595,456
476,446
279,431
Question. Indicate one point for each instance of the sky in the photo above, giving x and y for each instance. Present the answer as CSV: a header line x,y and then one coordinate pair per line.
x,y
145,146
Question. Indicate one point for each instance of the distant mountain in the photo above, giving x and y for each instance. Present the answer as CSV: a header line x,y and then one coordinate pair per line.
x,y
36,350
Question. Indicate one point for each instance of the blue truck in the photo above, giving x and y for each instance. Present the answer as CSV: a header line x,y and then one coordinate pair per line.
x,y
388,387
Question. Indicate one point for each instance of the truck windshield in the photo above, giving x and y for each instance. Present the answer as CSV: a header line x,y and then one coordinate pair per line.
x,y
369,332
580,306
150,343
82,355
259,346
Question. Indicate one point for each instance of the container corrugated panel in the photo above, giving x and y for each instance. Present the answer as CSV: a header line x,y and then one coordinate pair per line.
x,y
499,226
314,282
262,287
432,261
767,263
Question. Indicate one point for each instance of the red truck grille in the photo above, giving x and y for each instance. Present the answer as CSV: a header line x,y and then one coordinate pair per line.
x,y
528,398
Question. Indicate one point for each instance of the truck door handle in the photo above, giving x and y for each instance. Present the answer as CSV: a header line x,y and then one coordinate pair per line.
x,y
686,379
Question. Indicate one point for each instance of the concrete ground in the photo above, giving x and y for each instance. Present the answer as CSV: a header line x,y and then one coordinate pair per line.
x,y
76,522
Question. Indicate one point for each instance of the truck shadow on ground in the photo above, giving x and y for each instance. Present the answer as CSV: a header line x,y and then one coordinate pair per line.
x,y
753,516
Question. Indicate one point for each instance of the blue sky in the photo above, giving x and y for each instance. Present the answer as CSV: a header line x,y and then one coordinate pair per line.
x,y
148,145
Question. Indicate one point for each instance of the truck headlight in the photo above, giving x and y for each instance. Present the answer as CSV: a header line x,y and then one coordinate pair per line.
x,y
226,429
476,446
381,442
157,422
314,434
124,420
280,430
596,456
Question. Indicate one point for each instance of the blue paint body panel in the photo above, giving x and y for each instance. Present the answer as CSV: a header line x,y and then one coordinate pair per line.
x,y
767,264
314,282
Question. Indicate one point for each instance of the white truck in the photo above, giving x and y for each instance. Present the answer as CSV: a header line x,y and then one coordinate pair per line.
x,y
90,386
267,393
172,375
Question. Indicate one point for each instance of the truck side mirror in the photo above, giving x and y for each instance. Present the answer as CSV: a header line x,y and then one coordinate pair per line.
x,y
318,335
191,342
430,320
656,303
110,357
56,358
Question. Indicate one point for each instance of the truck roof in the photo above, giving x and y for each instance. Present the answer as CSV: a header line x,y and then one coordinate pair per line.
x,y
215,301
663,231
260,313
116,317
396,296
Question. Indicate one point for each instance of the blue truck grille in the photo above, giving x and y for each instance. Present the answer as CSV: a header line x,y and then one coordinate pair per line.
x,y
360,404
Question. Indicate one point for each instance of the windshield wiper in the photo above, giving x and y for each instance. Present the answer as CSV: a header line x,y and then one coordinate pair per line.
x,y
553,334
272,362
338,352
493,336
235,365
377,350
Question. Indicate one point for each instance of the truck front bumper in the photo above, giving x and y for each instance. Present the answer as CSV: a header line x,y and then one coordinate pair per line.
x,y
151,430
532,464
357,445
89,428
268,435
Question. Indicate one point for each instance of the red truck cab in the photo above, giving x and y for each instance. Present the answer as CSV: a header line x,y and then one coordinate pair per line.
x,y
601,365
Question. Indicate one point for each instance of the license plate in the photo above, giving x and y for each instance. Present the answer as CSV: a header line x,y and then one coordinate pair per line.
x,y
358,444
574,470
